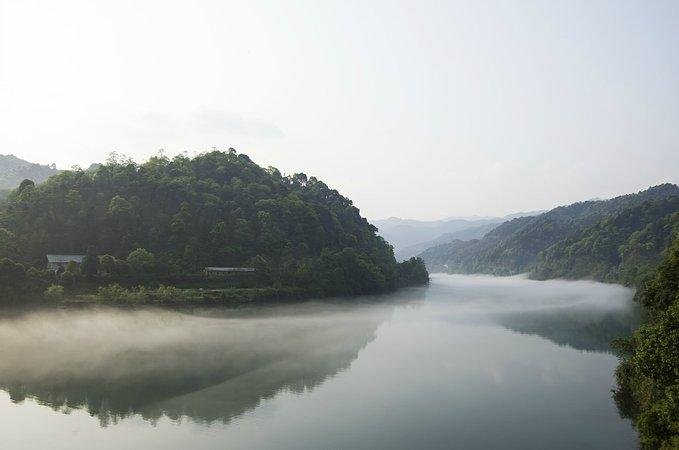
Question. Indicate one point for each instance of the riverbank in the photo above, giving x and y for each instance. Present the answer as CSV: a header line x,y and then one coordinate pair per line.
x,y
168,295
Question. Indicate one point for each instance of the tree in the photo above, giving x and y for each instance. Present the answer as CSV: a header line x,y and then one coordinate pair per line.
x,y
141,261
12,275
26,184
72,267
8,247
54,293
90,264
218,208
107,264
648,375
67,279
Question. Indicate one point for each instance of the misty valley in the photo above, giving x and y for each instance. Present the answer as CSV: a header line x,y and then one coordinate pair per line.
x,y
465,362
371,225
204,301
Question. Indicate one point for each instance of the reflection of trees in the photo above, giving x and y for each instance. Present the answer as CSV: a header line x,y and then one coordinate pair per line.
x,y
578,327
581,314
208,369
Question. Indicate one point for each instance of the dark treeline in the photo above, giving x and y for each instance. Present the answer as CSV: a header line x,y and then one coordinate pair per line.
x,y
648,375
169,218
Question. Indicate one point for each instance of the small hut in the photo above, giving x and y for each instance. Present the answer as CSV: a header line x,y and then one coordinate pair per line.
x,y
56,262
227,270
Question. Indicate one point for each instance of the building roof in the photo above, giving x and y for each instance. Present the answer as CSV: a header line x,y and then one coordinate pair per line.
x,y
230,269
65,258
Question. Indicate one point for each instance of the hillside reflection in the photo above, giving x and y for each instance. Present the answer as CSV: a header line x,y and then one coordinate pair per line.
x,y
584,315
214,365
211,365
579,328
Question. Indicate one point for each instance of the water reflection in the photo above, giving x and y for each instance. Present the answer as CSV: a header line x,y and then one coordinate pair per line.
x,y
579,328
209,365
446,345
583,315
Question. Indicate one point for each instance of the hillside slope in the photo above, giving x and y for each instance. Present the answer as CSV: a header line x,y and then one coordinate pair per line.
x,y
14,170
624,247
177,216
466,234
514,246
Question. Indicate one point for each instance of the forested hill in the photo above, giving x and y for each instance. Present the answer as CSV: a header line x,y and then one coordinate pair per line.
x,y
624,247
514,247
14,170
217,209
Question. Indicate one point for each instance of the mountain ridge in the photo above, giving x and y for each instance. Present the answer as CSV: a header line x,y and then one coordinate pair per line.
x,y
513,247
13,170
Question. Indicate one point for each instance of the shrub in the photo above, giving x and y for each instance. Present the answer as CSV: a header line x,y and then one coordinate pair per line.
x,y
141,261
117,293
168,293
54,293
67,279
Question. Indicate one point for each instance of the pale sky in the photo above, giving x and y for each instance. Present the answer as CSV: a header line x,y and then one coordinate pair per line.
x,y
411,108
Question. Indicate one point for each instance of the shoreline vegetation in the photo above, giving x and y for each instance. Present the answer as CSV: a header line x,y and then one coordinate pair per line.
x,y
647,377
117,295
147,232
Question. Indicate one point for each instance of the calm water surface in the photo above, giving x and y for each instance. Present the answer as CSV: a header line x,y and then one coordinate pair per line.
x,y
468,362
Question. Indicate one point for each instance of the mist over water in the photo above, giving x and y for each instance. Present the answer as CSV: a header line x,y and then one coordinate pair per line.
x,y
467,362
119,362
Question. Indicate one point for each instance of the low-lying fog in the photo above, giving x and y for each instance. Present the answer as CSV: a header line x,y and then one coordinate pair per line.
x,y
116,361
215,364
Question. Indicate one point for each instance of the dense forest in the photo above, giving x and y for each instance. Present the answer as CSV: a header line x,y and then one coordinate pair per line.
x,y
625,247
170,218
621,239
648,375
14,170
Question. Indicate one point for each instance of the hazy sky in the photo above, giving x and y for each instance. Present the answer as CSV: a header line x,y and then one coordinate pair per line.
x,y
413,109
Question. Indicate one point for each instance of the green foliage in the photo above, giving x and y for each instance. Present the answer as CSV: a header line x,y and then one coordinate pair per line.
x,y
107,264
169,218
621,240
663,288
67,278
7,244
413,272
648,375
72,268
54,293
90,264
141,261
167,294
115,293
12,277
625,247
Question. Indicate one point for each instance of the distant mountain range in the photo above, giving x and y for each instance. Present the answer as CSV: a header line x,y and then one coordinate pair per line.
x,y
411,237
14,170
620,240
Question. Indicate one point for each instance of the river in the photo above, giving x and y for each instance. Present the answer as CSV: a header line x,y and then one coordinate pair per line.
x,y
468,362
